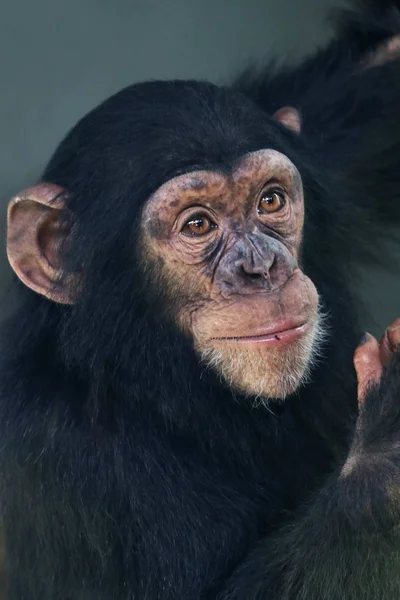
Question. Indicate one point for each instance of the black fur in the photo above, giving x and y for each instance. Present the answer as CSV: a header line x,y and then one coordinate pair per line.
x,y
127,472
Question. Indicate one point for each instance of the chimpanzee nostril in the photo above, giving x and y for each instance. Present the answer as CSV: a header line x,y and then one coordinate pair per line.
x,y
259,276
256,275
258,269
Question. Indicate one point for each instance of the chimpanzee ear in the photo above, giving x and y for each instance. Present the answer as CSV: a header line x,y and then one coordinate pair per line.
x,y
34,237
290,117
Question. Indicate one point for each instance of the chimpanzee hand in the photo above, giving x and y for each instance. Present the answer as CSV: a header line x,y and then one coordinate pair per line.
x,y
345,543
378,428
372,357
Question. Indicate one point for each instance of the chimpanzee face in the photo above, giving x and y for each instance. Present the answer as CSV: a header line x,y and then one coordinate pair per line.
x,y
229,245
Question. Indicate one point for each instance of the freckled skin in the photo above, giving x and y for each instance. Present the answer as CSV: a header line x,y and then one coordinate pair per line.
x,y
158,229
243,275
193,182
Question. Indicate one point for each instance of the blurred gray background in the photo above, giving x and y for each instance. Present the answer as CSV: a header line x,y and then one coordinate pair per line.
x,y
59,58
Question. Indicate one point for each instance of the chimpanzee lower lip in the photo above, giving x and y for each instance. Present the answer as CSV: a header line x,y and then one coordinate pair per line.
x,y
280,335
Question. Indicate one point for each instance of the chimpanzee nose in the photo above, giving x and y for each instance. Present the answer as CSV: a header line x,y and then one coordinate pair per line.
x,y
255,263
265,262
258,262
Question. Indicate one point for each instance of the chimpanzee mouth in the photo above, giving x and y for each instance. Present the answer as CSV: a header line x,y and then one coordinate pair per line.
x,y
282,333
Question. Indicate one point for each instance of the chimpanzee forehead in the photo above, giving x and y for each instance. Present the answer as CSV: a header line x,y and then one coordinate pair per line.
x,y
248,166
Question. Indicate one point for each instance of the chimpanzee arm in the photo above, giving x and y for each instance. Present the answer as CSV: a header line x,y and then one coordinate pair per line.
x,y
346,544
363,34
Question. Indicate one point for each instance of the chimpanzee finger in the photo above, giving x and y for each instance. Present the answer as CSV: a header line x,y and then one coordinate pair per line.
x,y
390,342
368,365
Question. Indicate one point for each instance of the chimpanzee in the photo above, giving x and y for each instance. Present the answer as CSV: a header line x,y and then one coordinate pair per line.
x,y
179,411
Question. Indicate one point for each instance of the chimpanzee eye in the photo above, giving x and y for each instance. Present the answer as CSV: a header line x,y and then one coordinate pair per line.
x,y
198,225
271,201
